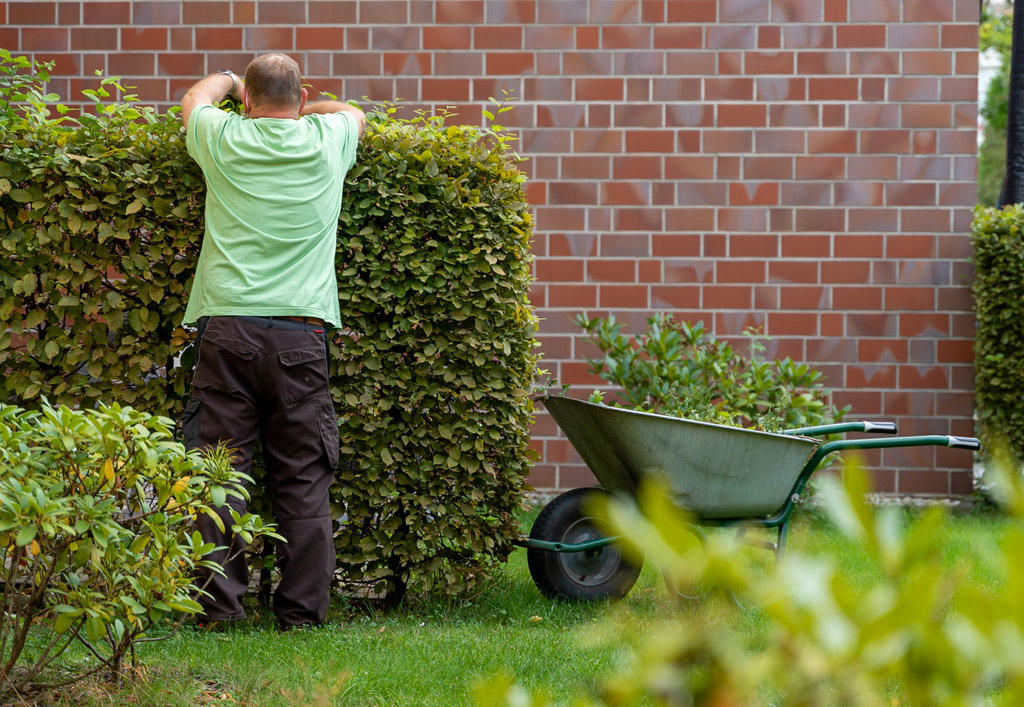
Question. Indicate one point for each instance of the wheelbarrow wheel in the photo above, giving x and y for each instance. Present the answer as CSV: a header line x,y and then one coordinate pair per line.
x,y
592,575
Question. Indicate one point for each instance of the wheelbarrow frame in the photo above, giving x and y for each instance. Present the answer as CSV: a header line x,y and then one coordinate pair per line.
x,y
777,519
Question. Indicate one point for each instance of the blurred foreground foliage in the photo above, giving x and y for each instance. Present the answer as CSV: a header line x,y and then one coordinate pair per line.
x,y
919,636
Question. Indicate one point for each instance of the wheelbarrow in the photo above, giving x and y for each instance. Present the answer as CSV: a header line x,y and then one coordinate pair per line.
x,y
722,476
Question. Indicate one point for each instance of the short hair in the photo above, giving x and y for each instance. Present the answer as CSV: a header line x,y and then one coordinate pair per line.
x,y
273,80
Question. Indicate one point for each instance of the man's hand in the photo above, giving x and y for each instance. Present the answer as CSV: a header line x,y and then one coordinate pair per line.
x,y
209,91
335,107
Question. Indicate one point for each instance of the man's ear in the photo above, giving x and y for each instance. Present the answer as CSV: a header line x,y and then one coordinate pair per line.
x,y
245,103
302,101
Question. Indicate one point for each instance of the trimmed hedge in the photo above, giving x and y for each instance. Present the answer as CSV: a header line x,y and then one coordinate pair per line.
x,y
102,224
431,376
999,343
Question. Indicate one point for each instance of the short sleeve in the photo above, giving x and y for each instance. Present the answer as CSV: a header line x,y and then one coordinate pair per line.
x,y
349,137
202,124
345,134
351,140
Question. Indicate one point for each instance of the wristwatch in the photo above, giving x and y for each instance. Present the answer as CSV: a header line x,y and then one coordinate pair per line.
x,y
234,79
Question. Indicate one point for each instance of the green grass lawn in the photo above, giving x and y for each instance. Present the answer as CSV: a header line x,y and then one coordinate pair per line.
x,y
437,651
432,652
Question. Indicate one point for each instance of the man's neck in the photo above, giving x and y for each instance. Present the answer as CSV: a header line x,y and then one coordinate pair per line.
x,y
272,113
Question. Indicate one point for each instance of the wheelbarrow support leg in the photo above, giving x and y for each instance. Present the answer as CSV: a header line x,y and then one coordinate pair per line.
x,y
780,543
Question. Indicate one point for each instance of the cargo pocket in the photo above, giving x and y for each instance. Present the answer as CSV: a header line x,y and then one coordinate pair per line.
x,y
304,373
328,424
189,426
221,357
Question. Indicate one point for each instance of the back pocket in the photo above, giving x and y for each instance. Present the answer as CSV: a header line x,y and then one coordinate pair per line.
x,y
222,361
303,373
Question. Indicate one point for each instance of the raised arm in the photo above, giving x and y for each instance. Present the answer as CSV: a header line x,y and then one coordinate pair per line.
x,y
327,106
211,90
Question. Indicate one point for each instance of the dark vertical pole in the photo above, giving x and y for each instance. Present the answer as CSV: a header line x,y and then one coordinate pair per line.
x,y
1013,185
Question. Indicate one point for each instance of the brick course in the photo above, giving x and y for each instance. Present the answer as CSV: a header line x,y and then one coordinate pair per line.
x,y
807,166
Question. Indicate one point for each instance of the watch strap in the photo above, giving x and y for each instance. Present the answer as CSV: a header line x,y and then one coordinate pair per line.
x,y
234,79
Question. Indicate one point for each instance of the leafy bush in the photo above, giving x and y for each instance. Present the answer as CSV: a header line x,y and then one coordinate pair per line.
x,y
679,369
97,545
430,377
999,313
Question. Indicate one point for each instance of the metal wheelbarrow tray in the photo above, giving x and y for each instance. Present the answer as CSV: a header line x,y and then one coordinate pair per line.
x,y
722,475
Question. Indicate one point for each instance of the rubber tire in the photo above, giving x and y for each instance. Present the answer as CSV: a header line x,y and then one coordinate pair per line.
x,y
578,576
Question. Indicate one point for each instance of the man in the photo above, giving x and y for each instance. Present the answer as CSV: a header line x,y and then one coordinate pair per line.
x,y
264,296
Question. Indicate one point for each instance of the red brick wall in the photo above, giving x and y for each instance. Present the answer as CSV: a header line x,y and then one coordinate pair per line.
x,y
806,166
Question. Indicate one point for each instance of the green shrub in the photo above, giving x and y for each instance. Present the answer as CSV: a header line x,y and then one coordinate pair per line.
x,y
430,376
999,313
679,369
97,545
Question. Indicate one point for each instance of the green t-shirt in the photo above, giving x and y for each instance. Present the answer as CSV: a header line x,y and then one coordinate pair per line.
x,y
273,196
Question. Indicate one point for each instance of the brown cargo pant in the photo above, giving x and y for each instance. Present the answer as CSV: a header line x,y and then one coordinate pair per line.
x,y
266,378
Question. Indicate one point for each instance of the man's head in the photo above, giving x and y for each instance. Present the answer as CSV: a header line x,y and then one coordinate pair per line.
x,y
273,82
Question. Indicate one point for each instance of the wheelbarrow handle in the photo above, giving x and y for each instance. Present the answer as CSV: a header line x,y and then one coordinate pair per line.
x,y
964,443
884,428
894,442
